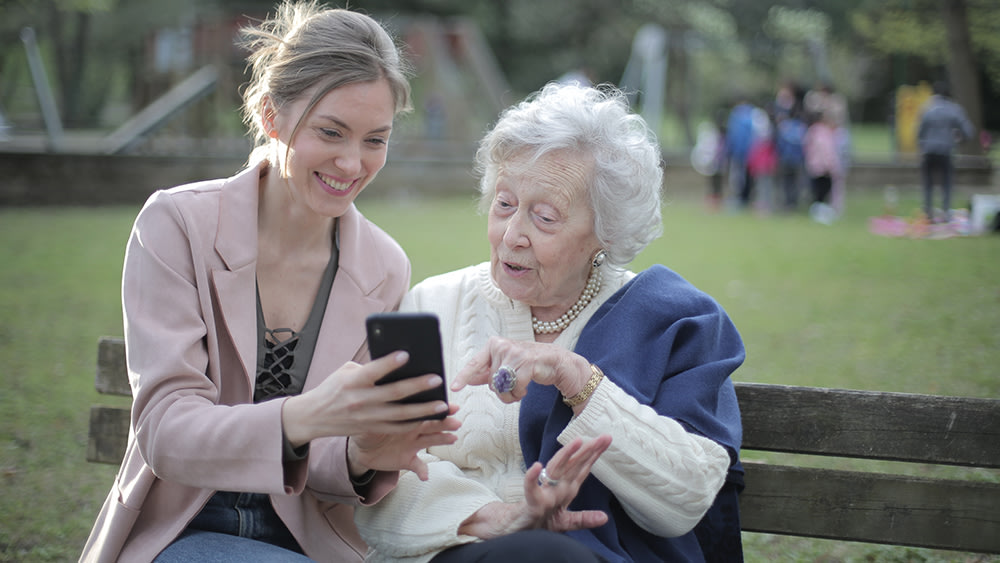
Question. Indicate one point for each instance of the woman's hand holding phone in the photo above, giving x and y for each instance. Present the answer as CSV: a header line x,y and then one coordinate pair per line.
x,y
386,434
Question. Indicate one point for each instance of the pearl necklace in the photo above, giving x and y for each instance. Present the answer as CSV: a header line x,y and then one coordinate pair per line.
x,y
560,324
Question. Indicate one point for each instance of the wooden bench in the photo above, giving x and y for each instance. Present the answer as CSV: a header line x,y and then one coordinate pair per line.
x,y
108,432
791,499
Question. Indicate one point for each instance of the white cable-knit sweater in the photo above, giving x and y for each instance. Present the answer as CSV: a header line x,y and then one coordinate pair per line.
x,y
665,477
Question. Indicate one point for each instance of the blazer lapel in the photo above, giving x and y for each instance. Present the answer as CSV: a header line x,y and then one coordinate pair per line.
x,y
359,273
236,285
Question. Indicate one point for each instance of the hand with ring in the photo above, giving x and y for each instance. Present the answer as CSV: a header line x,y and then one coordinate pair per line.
x,y
504,380
545,481
549,490
508,366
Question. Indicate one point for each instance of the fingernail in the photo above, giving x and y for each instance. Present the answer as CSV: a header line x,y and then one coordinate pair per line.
x,y
402,357
434,381
441,407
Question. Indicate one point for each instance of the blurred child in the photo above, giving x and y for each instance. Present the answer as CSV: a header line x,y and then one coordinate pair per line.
x,y
823,164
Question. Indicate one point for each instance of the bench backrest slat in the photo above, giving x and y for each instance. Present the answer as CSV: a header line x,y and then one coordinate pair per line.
x,y
871,507
112,376
871,425
107,437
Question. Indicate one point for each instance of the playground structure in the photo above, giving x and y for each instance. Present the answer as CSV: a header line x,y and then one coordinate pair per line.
x,y
458,90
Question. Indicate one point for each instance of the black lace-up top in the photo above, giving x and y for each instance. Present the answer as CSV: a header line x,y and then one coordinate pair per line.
x,y
283,355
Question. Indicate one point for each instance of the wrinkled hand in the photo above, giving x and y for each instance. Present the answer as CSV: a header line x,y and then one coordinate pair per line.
x,y
348,403
545,506
546,364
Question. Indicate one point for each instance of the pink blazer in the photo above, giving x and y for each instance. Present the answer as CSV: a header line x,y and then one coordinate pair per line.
x,y
189,302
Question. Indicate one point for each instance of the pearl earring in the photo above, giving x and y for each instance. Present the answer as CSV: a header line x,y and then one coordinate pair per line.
x,y
599,258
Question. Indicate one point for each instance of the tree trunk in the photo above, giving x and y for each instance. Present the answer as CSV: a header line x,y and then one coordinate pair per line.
x,y
961,67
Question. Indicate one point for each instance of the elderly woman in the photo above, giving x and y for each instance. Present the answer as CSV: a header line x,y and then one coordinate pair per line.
x,y
599,421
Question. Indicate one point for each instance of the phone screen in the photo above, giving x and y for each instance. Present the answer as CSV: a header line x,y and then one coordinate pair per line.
x,y
419,335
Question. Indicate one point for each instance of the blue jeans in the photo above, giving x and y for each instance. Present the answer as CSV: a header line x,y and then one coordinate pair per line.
x,y
215,547
235,527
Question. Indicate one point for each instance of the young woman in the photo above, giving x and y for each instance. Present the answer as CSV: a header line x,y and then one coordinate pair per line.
x,y
255,426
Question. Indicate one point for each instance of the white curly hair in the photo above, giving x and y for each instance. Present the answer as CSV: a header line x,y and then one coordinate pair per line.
x,y
627,176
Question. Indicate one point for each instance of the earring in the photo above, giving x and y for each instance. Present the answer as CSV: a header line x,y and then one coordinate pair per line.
x,y
599,258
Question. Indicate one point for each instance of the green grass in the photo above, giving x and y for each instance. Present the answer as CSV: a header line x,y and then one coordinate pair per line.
x,y
817,305
59,283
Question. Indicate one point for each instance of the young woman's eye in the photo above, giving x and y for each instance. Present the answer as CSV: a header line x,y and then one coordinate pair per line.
x,y
332,133
378,141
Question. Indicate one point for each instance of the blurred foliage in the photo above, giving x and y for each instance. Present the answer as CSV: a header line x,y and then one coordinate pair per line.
x,y
98,51
915,27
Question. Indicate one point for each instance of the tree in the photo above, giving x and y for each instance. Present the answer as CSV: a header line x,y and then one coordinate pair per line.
x,y
962,71
86,44
956,36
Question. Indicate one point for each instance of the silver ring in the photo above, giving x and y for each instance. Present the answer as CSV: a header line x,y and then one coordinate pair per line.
x,y
544,480
504,380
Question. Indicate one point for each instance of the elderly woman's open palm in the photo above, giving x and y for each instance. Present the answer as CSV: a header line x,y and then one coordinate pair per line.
x,y
548,491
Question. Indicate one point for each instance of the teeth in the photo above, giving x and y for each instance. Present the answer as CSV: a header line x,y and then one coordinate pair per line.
x,y
329,181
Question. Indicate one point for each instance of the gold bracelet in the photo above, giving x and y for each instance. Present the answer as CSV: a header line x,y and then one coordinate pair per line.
x,y
596,376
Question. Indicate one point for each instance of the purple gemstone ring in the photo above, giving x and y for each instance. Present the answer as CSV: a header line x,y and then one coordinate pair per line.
x,y
504,380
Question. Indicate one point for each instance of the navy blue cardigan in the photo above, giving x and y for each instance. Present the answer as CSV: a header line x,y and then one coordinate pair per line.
x,y
671,346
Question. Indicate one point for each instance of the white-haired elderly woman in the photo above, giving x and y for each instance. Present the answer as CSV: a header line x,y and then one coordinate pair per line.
x,y
599,420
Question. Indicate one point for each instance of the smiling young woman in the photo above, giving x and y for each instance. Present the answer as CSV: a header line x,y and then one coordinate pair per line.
x,y
256,424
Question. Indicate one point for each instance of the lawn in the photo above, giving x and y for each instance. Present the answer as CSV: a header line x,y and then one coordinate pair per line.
x,y
818,305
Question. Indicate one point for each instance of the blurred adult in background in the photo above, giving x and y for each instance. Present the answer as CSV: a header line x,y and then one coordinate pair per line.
x,y
787,100
599,420
943,124
791,131
824,100
762,162
255,428
739,141
708,157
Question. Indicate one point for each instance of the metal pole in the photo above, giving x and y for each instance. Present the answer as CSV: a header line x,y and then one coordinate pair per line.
x,y
48,105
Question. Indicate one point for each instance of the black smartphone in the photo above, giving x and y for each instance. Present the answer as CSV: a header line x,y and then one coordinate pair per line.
x,y
419,335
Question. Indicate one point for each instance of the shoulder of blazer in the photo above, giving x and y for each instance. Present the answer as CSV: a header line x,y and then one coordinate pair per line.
x,y
369,255
224,210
